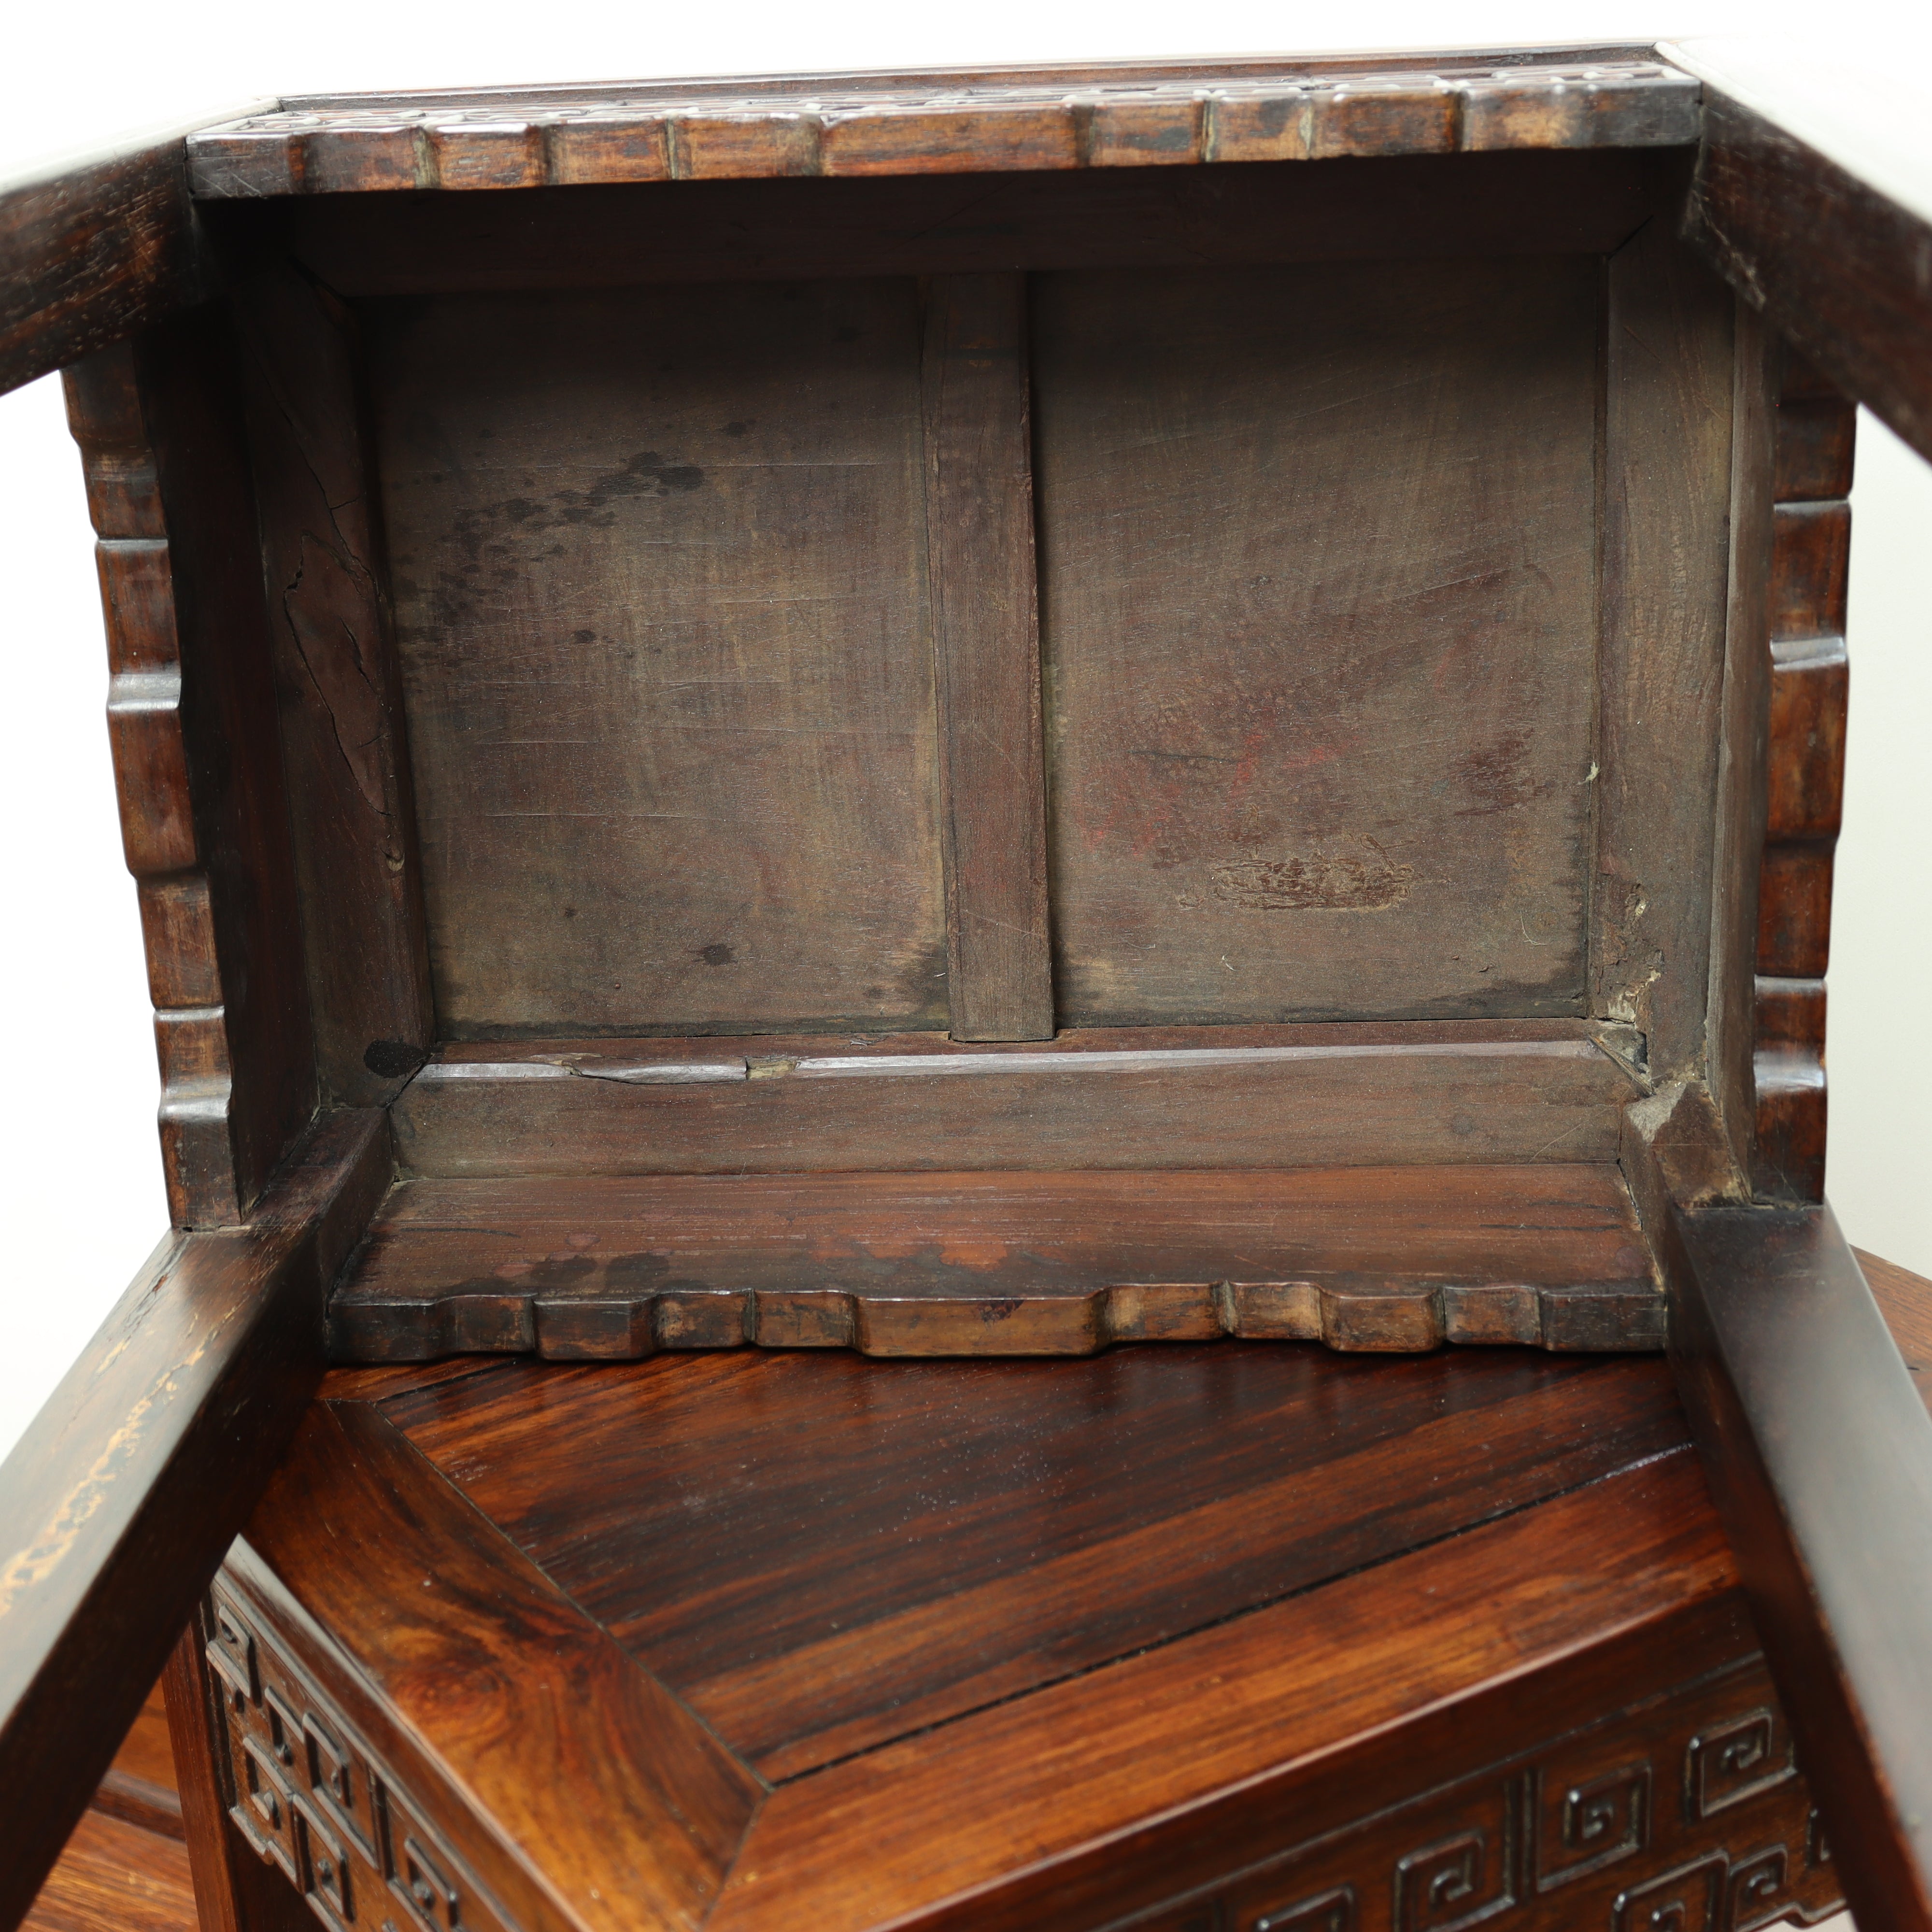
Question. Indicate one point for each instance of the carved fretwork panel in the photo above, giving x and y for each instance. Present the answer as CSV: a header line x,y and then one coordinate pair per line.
x,y
308,1794
1690,1816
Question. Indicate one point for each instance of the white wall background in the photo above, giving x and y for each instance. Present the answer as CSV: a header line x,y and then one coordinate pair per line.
x,y
82,1198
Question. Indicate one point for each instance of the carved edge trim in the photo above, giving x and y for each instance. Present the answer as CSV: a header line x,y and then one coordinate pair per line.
x,y
1811,544
1347,1312
841,128
151,773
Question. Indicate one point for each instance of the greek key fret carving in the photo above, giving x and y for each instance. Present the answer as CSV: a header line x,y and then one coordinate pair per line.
x,y
308,1796
1736,1761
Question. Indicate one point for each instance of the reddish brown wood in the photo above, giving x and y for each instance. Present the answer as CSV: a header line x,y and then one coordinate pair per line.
x,y
985,625
140,1787
116,1504
1819,1453
1001,1264
1805,758
113,1876
636,1806
1163,1492
987,121
1905,1300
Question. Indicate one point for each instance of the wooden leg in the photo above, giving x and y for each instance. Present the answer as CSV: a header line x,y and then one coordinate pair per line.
x,y
234,1891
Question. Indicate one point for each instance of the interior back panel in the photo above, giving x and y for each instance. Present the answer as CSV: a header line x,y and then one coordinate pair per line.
x,y
658,573
1318,579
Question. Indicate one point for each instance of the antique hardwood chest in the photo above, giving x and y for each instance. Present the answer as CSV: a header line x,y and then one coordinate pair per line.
x,y
802,756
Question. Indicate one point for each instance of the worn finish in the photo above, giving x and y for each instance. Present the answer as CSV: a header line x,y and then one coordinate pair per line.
x,y
1103,1098
1838,268
1001,1264
1805,779
1319,720
216,922
1487,206
986,121
1819,1454
985,629
117,1503
1668,462
91,252
661,607
339,690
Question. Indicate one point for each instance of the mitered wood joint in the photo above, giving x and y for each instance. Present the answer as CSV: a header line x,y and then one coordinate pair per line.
x,y
1805,776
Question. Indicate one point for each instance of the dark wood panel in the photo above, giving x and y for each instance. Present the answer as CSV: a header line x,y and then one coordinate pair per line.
x,y
1668,460
353,811
117,1503
629,1804
822,1555
1104,1098
1819,1454
140,1787
1839,268
1320,714
985,623
94,249
661,612
1001,1264
1485,206
1744,730
990,122
1223,1735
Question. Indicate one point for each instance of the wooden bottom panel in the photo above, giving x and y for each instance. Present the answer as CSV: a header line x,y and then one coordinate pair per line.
x,y
981,1264
114,1876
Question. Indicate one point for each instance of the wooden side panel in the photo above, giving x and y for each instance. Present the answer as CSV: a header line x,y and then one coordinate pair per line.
x,y
1085,1102
203,816
1744,719
1317,582
985,624
660,587
339,692
1805,782
1668,462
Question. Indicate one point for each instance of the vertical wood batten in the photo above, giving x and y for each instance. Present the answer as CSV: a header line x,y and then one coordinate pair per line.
x,y
1666,556
339,687
1730,1045
986,620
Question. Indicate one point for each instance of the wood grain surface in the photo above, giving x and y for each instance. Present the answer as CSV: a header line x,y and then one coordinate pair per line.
x,y
1486,206
637,1807
1668,466
339,688
985,628
661,610
117,1503
1201,1097
114,1876
1130,114
1839,268
1319,711
1001,1264
740,1525
1819,1454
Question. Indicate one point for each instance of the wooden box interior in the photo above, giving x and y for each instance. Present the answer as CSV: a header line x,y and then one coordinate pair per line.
x,y
795,938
